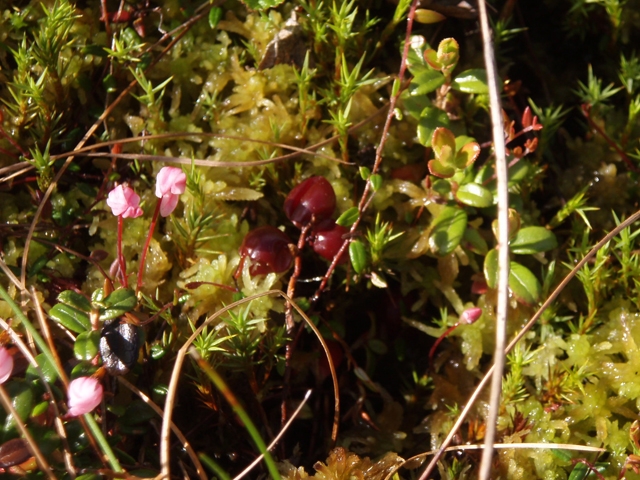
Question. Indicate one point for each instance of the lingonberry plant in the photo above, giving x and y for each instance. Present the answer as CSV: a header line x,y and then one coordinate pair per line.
x,y
226,153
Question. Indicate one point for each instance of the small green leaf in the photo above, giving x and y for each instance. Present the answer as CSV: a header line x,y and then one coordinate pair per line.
x,y
86,345
395,88
358,256
447,230
442,187
523,284
110,83
417,44
46,367
428,16
579,472
348,218
365,173
426,81
39,409
491,268
378,346
448,54
430,119
83,369
71,318
530,240
376,182
118,303
22,398
474,195
518,172
471,81
474,241
415,104
215,14
75,300
438,169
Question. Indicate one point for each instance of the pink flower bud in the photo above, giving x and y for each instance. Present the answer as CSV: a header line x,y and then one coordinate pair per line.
x,y
170,184
124,201
470,315
6,364
85,394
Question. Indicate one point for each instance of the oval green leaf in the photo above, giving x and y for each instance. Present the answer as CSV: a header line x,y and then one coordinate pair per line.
x,y
473,241
474,195
428,16
22,399
358,256
376,182
447,230
70,318
215,14
46,367
75,300
471,81
426,81
118,303
348,218
530,240
523,284
430,119
86,345
491,268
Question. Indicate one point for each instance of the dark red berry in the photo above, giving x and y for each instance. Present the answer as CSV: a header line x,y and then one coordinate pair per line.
x,y
314,196
268,249
327,239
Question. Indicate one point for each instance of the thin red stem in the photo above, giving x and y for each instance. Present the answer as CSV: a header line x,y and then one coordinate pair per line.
x,y
152,227
440,339
123,265
364,199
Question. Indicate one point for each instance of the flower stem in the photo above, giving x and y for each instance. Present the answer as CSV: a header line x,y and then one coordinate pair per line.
x,y
123,265
440,339
152,227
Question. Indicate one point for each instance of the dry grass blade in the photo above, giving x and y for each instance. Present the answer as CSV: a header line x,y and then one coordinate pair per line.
x,y
183,440
31,443
503,241
17,341
275,441
44,327
556,292
502,446
177,367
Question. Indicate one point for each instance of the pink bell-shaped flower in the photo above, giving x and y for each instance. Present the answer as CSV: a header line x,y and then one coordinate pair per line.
x,y
170,184
6,364
85,394
124,202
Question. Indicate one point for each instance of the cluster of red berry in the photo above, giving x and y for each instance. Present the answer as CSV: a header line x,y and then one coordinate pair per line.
x,y
310,204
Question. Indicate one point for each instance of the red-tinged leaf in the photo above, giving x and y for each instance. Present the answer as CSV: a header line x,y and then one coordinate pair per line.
x,y
437,169
431,57
467,155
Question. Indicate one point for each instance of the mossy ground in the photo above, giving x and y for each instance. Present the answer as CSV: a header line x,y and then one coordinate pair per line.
x,y
573,379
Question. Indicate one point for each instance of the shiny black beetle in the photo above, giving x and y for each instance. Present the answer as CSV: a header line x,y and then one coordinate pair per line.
x,y
119,344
